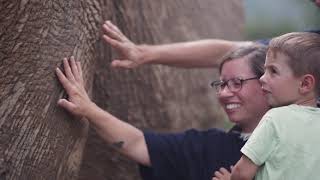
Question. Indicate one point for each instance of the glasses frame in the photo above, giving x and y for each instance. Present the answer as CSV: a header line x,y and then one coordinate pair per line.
x,y
219,85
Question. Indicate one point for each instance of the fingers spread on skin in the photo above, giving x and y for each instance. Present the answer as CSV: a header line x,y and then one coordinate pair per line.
x,y
111,33
69,106
114,43
114,27
80,70
64,81
67,70
74,69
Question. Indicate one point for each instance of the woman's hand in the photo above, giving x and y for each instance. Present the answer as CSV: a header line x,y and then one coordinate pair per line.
x,y
131,55
78,102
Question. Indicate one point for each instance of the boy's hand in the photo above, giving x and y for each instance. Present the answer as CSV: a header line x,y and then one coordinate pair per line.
x,y
78,102
131,55
222,174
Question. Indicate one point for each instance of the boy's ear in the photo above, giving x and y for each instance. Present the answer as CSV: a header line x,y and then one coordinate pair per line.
x,y
307,83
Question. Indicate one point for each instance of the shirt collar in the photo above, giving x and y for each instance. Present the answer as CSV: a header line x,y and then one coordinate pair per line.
x,y
237,130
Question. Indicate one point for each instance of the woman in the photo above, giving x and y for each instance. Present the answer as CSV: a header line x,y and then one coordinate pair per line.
x,y
192,154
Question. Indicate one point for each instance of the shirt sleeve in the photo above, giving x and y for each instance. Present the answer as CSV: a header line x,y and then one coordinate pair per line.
x,y
262,142
179,156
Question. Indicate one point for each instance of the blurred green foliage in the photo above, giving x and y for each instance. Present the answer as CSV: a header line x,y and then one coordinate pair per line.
x,y
266,19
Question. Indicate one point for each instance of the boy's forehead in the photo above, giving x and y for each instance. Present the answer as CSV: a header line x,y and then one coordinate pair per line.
x,y
276,52
276,55
271,53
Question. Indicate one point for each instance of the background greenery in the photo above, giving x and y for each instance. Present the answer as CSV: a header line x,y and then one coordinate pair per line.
x,y
265,19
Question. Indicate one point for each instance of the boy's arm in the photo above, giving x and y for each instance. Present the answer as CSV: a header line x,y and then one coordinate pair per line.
x,y
202,53
124,137
245,169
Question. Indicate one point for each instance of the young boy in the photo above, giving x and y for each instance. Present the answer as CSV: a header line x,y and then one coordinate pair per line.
x,y
286,143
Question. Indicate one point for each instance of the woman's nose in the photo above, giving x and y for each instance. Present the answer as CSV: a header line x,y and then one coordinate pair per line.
x,y
225,92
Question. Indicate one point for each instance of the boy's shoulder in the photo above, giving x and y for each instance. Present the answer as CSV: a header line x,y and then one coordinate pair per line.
x,y
284,111
281,109
292,110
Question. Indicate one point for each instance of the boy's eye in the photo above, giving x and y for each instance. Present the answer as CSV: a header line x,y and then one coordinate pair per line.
x,y
273,70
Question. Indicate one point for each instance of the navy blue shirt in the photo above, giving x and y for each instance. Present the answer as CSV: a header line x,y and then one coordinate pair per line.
x,y
191,155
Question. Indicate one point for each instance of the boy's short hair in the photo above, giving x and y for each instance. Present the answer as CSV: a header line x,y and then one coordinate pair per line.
x,y
303,50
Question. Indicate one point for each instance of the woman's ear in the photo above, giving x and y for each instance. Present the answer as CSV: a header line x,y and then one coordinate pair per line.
x,y
307,84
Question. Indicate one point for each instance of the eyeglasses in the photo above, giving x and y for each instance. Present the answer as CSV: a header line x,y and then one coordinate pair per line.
x,y
234,84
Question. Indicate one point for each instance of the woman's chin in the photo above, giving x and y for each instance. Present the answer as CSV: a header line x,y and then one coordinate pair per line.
x,y
235,120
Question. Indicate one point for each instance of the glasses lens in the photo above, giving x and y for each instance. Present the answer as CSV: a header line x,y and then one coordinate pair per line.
x,y
234,84
217,85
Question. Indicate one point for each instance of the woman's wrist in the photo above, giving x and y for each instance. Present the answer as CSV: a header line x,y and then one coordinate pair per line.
x,y
147,54
91,111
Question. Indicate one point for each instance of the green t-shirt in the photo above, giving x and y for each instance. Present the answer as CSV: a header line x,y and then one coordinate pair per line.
x,y
286,144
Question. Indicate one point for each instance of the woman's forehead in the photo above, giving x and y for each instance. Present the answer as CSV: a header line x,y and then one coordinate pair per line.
x,y
236,68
